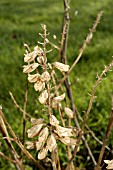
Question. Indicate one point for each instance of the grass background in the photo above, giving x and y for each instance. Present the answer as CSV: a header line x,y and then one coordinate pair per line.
x,y
20,22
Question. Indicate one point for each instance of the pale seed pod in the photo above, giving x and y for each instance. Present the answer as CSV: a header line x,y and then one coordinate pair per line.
x,y
43,153
59,98
37,121
34,131
53,120
69,112
29,68
33,78
45,76
39,50
62,131
43,97
30,56
40,59
51,143
62,67
110,164
39,85
42,138
30,145
68,141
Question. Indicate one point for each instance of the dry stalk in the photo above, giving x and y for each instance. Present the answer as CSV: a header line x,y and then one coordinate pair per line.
x,y
67,82
86,42
7,158
17,105
110,126
20,144
24,114
54,154
107,68
92,134
3,129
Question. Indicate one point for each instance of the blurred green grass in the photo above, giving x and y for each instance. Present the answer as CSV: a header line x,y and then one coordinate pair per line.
x,y
20,22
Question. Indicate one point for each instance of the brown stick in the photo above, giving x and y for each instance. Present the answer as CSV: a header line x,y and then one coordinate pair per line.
x,y
67,82
18,164
20,144
7,158
24,114
17,105
110,126
107,68
86,42
66,22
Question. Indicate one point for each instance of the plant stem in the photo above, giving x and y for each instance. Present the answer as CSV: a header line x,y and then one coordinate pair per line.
x,y
19,143
110,125
107,68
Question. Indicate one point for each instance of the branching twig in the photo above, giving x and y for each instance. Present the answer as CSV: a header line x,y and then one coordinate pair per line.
x,y
7,158
107,68
67,82
16,104
24,114
19,164
92,134
86,42
110,125
19,143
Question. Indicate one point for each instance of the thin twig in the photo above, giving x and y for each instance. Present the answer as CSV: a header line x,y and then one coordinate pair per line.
x,y
86,42
67,82
110,126
19,164
24,114
107,68
7,158
17,106
20,144
92,133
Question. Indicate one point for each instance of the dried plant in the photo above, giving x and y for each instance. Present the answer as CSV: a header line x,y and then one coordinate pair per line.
x,y
40,72
45,134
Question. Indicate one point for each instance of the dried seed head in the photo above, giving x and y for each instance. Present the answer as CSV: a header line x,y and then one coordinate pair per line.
x,y
62,67
51,143
69,112
33,78
43,97
53,120
42,154
34,131
45,76
29,68
39,85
